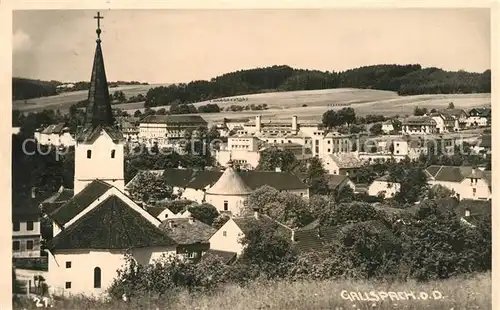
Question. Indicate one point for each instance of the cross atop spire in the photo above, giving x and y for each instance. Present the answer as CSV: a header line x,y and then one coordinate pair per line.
x,y
98,30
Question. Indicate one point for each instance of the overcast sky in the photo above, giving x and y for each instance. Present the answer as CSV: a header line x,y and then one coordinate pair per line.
x,y
167,46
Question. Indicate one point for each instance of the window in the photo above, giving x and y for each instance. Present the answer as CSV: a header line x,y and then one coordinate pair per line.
x,y
68,264
224,233
89,155
112,153
329,150
68,285
16,226
474,192
16,246
29,245
29,225
226,207
97,277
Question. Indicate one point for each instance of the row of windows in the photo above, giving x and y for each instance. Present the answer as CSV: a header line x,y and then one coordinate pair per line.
x,y
97,277
89,154
29,226
16,245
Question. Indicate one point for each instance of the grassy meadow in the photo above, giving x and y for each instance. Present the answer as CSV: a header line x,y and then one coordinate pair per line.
x,y
473,292
308,105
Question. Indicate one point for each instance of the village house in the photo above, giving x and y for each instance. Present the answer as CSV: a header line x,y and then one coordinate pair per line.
x,y
418,125
460,115
337,182
191,235
342,164
483,146
55,135
387,127
228,237
383,187
243,150
479,117
95,228
467,182
411,147
166,130
445,122
471,211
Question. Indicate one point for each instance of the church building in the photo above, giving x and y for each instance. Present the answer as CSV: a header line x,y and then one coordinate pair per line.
x,y
100,223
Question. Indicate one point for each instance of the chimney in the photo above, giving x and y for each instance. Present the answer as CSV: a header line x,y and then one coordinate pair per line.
x,y
294,123
258,123
278,169
467,212
33,192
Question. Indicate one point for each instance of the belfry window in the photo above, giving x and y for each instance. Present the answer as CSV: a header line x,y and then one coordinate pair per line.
x,y
89,154
97,277
112,153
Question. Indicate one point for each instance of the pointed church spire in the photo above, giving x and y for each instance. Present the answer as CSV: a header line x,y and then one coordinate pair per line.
x,y
99,107
98,113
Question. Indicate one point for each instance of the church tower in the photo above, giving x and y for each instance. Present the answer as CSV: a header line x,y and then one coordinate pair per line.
x,y
99,149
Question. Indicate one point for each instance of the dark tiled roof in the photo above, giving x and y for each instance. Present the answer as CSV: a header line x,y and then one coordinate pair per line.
x,y
315,239
28,208
57,200
226,257
455,112
111,225
475,219
419,120
174,119
55,128
184,232
155,211
79,202
455,173
200,179
346,160
485,141
335,180
483,112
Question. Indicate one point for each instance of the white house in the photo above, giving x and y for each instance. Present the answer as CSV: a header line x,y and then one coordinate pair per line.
x,y
343,164
467,182
418,125
228,237
242,150
387,127
56,135
381,186
26,235
479,117
445,122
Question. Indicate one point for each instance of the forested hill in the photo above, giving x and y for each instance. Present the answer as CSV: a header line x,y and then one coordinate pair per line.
x,y
403,79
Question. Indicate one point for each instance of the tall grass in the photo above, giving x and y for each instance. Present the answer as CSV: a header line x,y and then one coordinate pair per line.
x,y
471,292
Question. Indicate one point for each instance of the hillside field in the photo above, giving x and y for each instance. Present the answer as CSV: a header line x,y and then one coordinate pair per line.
x,y
64,100
307,105
473,292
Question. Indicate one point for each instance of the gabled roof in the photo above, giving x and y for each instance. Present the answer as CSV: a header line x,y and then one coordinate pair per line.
x,y
111,225
54,129
230,183
185,232
79,202
455,112
28,208
174,119
346,160
277,180
455,173
482,112
90,133
155,211
315,239
475,207
335,180
56,200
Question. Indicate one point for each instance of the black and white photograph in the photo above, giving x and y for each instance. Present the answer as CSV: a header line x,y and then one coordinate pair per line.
x,y
252,159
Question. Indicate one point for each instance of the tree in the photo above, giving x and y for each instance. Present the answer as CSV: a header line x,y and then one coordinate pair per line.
x,y
220,220
419,111
346,116
137,113
273,158
330,119
412,180
343,194
376,129
315,176
267,249
149,186
205,213
451,105
345,213
286,208
438,191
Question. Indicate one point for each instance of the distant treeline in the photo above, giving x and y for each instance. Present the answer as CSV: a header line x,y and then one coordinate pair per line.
x,y
24,89
403,79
